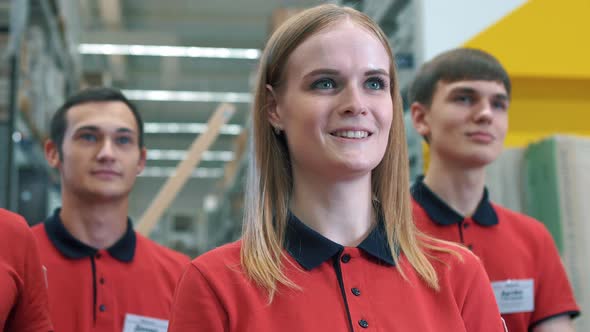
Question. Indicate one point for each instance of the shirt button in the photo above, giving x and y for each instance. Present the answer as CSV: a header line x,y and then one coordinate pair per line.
x,y
363,323
345,258
98,255
101,280
102,308
466,225
470,246
356,291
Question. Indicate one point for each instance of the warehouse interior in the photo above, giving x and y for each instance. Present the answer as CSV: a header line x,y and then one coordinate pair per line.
x,y
184,61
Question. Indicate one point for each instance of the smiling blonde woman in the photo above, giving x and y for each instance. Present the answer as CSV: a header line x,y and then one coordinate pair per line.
x,y
328,241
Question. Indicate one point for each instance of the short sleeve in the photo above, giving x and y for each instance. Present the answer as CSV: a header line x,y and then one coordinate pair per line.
x,y
31,311
554,295
196,307
480,310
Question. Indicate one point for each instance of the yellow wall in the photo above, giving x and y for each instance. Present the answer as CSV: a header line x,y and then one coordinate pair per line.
x,y
545,46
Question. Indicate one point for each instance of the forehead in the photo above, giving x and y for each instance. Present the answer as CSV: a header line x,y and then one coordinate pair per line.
x,y
344,45
105,115
481,87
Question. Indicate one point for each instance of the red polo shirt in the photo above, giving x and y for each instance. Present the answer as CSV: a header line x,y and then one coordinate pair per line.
x,y
23,294
94,290
516,250
342,289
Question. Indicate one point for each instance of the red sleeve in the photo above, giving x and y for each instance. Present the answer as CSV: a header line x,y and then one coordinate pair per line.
x,y
554,295
31,311
480,310
196,307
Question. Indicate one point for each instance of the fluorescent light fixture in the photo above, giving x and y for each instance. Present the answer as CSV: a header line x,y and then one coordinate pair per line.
x,y
170,51
193,96
156,154
187,128
164,172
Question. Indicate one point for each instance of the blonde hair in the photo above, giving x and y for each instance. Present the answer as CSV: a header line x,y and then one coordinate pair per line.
x,y
269,181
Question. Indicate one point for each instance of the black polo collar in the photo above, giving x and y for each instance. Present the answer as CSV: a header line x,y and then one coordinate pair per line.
x,y
72,248
310,249
443,214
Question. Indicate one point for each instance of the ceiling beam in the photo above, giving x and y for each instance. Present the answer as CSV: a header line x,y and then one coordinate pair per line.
x,y
184,170
126,37
110,13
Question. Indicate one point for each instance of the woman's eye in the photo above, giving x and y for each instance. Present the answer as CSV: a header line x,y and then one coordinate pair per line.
x,y
324,84
375,84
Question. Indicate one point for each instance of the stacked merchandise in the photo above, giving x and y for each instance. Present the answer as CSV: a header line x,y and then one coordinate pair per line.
x,y
4,79
557,194
42,81
505,179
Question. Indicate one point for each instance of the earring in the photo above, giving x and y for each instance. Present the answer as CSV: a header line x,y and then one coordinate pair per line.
x,y
276,130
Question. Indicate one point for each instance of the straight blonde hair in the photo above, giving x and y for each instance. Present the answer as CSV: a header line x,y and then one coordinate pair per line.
x,y
269,181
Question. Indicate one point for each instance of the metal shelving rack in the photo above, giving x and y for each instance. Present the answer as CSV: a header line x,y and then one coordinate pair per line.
x,y
39,67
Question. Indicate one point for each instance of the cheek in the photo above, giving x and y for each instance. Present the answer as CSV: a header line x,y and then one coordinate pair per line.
x,y
304,124
503,126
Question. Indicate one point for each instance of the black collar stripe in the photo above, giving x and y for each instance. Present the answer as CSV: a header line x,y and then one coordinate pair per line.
x,y
123,250
310,249
443,214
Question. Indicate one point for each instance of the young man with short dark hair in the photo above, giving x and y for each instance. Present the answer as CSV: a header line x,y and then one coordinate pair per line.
x,y
101,273
459,104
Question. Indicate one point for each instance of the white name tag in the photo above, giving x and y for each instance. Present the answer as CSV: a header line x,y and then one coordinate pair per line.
x,y
136,323
515,295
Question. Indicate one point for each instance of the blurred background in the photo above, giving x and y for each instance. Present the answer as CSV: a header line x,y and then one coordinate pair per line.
x,y
180,60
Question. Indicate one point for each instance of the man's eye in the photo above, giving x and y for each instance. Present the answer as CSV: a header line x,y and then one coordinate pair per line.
x,y
124,140
89,137
500,105
465,99
324,84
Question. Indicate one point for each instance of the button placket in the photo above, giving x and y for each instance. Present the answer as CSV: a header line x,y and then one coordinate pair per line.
x,y
363,323
345,258
353,265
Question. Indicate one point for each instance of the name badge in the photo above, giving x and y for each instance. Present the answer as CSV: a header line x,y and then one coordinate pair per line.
x,y
515,295
136,323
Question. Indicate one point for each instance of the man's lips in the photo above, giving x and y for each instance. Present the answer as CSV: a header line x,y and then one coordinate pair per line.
x,y
106,173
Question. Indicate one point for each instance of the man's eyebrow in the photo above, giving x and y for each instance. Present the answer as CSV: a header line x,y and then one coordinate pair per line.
x,y
463,89
501,96
96,129
125,130
87,128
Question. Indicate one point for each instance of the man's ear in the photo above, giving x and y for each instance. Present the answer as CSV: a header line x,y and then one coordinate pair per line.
x,y
52,154
274,116
142,160
420,119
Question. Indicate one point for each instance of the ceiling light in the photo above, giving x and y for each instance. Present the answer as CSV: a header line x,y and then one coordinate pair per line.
x,y
192,96
157,154
164,172
170,51
187,128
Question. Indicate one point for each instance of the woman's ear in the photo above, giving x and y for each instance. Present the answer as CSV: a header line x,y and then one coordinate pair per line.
x,y
274,116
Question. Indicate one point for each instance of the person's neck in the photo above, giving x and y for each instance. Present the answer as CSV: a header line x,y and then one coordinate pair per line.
x,y
96,224
460,188
341,211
